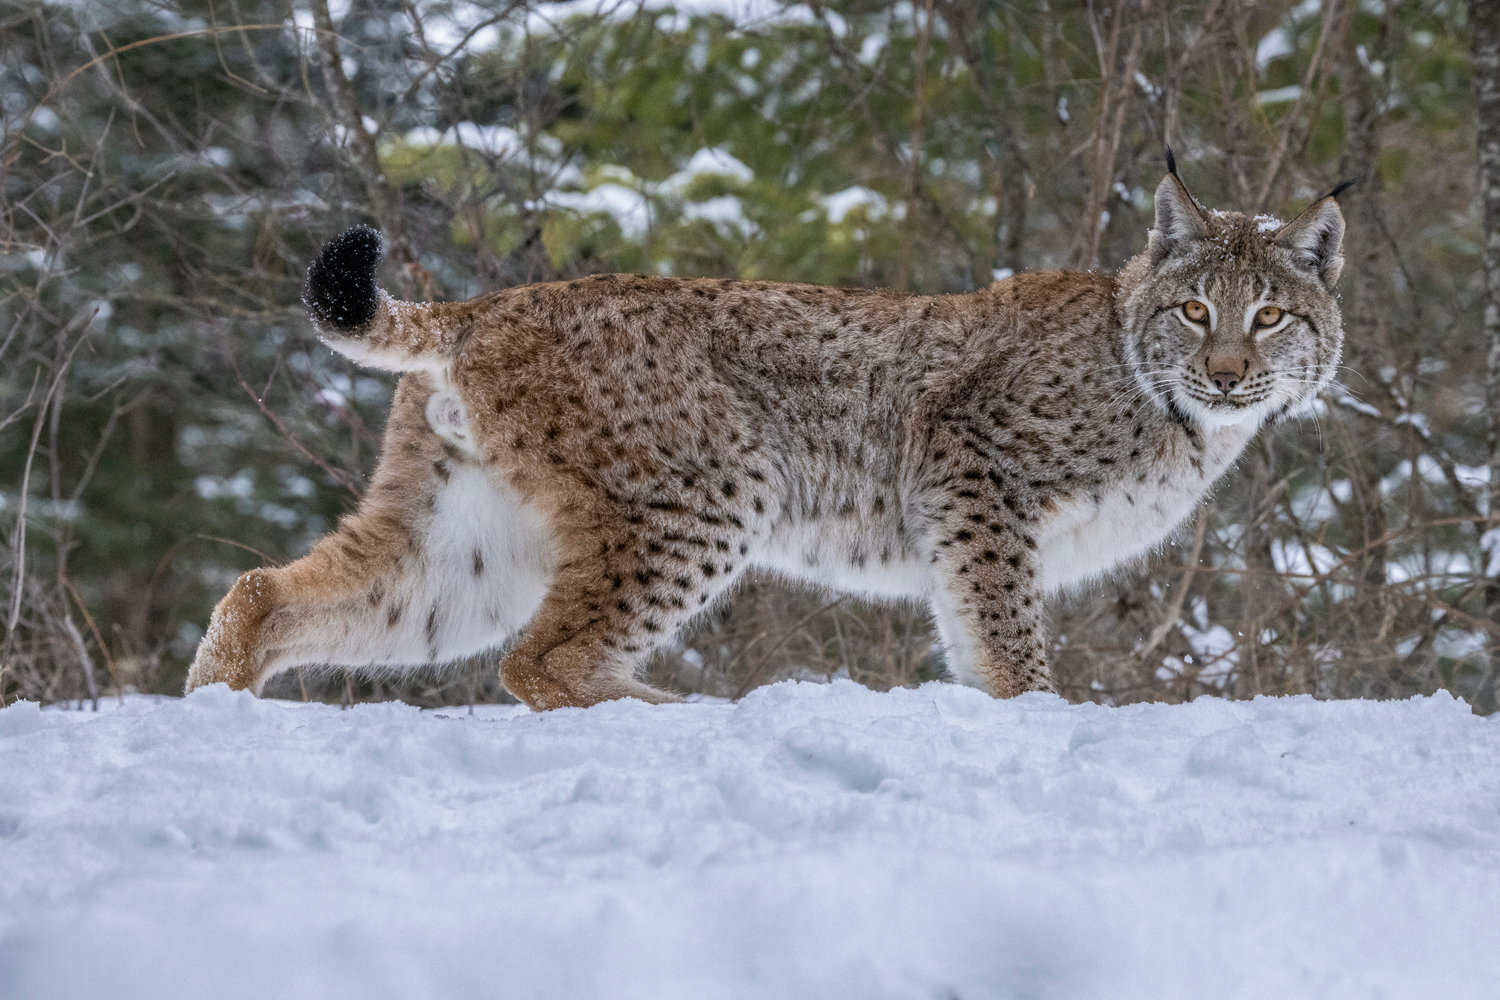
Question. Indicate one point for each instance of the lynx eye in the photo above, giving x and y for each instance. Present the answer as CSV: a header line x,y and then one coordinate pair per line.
x,y
1268,316
1195,311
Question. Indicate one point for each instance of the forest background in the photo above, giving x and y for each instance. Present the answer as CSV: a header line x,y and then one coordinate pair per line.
x,y
168,419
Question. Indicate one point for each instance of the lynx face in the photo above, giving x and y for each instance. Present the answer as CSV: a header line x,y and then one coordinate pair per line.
x,y
1237,321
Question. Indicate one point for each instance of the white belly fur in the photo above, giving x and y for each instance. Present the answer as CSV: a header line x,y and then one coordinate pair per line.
x,y
846,556
1084,539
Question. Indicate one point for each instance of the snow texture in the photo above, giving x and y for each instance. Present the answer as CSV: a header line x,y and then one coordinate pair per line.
x,y
1489,543
712,160
628,207
809,841
1272,46
839,204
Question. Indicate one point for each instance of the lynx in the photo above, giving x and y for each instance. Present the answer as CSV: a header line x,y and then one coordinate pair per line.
x,y
592,463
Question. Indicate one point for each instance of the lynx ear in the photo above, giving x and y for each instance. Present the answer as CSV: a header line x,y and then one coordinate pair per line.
x,y
1179,224
1316,240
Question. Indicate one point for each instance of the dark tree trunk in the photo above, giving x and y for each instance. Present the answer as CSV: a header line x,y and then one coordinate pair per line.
x,y
1364,342
1484,25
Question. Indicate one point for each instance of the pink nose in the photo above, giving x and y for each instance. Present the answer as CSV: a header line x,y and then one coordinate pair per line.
x,y
1225,381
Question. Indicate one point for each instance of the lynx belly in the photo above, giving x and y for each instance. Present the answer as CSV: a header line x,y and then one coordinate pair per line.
x,y
867,559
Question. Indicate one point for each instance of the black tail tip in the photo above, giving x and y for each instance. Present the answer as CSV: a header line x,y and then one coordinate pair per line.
x,y
1171,161
341,290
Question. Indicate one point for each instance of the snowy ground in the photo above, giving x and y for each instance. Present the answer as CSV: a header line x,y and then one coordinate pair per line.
x,y
810,841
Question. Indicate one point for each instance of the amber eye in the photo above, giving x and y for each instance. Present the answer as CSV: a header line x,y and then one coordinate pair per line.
x,y
1268,316
1195,311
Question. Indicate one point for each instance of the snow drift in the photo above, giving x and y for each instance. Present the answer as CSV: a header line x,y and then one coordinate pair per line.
x,y
809,841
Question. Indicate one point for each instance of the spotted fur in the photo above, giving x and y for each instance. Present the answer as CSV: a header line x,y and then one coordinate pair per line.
x,y
592,463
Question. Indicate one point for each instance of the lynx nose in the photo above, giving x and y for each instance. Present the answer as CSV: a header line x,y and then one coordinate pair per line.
x,y
1225,381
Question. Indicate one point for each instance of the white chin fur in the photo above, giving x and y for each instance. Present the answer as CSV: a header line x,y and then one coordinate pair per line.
x,y
1213,418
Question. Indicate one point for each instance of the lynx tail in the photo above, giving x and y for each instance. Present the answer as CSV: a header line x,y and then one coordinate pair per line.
x,y
341,294
359,319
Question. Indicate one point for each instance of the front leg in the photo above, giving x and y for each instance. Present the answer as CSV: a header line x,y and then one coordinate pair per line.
x,y
986,598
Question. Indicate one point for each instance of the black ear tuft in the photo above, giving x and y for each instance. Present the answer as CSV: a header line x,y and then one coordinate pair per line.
x,y
1171,162
340,290
1343,186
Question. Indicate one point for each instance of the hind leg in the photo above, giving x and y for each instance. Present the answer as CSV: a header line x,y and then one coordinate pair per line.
x,y
327,608
609,609
441,561
381,594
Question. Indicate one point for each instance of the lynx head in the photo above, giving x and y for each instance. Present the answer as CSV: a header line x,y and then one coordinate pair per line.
x,y
1231,319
